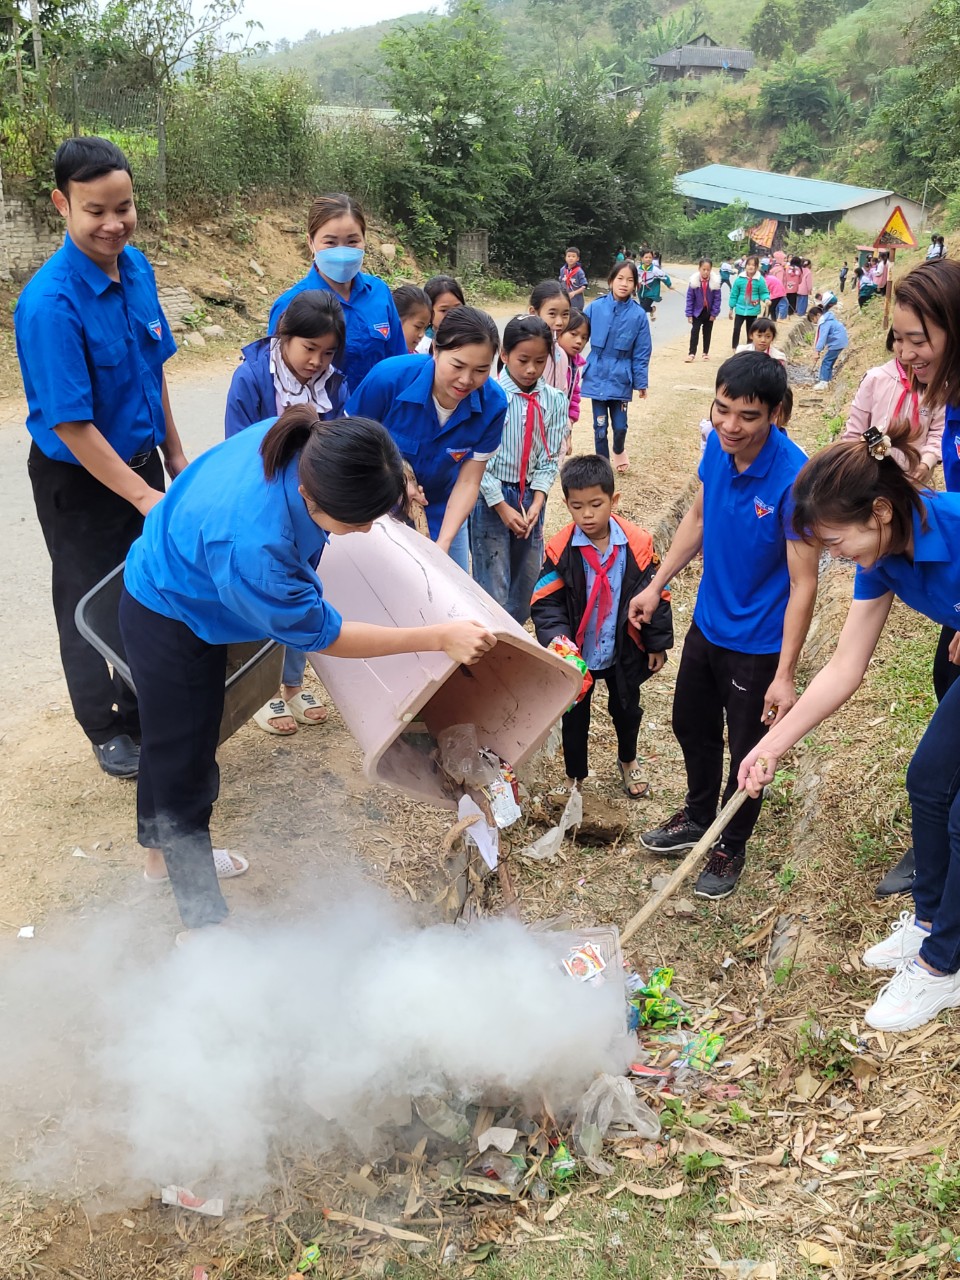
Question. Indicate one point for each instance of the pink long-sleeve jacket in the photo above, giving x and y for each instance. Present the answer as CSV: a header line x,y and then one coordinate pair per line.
x,y
885,394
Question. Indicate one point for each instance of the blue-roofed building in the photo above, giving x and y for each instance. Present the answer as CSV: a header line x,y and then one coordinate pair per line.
x,y
797,203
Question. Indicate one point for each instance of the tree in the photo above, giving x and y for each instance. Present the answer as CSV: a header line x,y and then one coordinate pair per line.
x,y
450,83
628,17
774,27
160,38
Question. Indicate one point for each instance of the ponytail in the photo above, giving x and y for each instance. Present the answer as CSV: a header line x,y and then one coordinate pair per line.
x,y
349,468
842,484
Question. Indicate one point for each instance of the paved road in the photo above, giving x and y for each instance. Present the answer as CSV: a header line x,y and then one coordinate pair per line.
x,y
30,674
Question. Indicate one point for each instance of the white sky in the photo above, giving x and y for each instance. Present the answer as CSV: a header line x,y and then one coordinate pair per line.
x,y
292,19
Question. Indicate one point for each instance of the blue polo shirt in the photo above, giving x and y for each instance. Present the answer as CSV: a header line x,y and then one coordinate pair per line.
x,y
950,448
745,584
231,555
92,349
930,582
399,393
373,324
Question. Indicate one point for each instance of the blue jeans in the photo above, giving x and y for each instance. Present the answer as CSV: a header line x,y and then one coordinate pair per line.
x,y
933,784
294,665
803,301
614,412
781,309
826,366
503,564
460,547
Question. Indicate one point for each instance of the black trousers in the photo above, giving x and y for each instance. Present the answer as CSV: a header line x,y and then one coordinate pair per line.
x,y
88,530
792,303
180,684
648,304
714,684
944,671
626,717
738,322
703,322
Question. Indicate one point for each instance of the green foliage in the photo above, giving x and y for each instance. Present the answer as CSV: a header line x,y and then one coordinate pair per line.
x,y
774,27
705,234
800,91
455,96
823,1051
798,145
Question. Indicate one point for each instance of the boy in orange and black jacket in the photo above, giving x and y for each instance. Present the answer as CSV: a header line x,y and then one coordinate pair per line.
x,y
591,571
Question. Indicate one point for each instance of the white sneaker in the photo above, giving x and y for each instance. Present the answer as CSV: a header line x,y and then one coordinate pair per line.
x,y
904,943
912,997
821,386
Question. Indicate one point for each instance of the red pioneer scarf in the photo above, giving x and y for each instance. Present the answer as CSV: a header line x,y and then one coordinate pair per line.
x,y
706,304
749,291
600,598
907,392
534,419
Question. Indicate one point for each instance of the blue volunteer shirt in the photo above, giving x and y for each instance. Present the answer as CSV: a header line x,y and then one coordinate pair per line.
x,y
745,584
598,649
399,393
950,448
930,582
92,349
373,324
232,555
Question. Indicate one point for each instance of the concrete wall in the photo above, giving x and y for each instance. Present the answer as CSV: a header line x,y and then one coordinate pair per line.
x,y
869,218
27,239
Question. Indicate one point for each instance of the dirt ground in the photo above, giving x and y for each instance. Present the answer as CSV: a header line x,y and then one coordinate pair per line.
x,y
837,1156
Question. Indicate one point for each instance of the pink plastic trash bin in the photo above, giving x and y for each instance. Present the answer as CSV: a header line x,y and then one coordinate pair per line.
x,y
396,577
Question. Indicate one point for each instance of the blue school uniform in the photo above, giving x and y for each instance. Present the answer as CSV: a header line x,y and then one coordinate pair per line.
x,y
373,324
620,346
745,584
92,349
950,448
399,393
930,583
232,555
832,334
253,396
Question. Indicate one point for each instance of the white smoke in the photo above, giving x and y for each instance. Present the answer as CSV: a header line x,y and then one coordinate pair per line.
x,y
125,1065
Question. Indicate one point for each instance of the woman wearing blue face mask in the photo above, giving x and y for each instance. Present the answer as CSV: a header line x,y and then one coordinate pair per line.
x,y
336,230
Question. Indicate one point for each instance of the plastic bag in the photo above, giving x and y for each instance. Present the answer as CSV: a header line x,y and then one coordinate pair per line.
x,y
611,1100
548,846
462,759
565,648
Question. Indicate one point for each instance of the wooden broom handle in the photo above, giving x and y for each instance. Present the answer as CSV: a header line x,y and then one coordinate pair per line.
x,y
716,828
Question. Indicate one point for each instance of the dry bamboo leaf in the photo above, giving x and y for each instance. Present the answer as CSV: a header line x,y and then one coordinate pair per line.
x,y
557,1207
818,1254
774,1159
656,1193
366,1186
806,1085
376,1228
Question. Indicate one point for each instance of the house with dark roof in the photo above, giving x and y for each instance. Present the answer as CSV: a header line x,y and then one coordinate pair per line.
x,y
700,57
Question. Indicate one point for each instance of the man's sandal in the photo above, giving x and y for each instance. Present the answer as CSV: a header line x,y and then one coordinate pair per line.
x,y
275,709
222,861
303,702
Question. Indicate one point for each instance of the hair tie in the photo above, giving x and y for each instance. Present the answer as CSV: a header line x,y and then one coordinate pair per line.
x,y
878,444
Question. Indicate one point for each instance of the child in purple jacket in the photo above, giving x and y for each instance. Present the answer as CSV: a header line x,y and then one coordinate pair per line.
x,y
703,306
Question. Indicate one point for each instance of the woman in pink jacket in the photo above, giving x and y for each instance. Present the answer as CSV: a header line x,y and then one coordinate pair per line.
x,y
804,286
891,391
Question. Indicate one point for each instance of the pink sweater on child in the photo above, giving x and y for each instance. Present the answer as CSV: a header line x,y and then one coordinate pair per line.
x,y
885,394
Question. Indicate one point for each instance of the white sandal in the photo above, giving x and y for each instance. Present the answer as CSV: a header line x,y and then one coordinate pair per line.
x,y
303,702
273,710
222,861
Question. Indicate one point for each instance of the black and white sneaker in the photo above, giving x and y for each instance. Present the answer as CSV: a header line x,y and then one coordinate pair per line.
x,y
719,877
675,836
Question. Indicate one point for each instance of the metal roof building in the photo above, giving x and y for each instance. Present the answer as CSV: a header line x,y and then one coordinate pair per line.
x,y
695,61
797,202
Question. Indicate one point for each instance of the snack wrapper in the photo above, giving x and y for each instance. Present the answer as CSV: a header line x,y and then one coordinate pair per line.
x,y
652,1002
565,648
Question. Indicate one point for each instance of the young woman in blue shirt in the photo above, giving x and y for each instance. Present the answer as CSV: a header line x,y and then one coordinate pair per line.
x,y
446,415
92,342
855,500
619,360
296,366
336,236
231,555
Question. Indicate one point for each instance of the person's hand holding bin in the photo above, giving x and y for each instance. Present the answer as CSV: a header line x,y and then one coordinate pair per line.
x,y
465,642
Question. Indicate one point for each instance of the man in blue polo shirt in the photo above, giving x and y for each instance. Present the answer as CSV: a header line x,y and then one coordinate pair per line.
x,y
92,342
753,609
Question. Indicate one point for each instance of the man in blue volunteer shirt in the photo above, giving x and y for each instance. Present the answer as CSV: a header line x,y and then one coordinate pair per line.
x,y
92,342
753,609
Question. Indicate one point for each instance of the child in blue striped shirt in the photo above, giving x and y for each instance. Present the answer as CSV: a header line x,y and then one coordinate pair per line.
x,y
506,528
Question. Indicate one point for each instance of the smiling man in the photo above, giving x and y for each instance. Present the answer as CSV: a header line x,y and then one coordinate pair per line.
x,y
92,342
753,609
